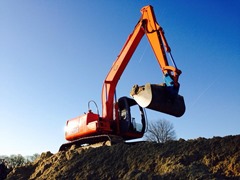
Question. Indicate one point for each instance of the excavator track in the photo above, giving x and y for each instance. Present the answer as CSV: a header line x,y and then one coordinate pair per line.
x,y
92,140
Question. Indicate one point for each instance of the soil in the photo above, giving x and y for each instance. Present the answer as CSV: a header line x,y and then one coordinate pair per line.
x,y
215,158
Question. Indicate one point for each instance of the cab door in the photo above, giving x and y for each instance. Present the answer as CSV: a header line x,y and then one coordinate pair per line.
x,y
131,118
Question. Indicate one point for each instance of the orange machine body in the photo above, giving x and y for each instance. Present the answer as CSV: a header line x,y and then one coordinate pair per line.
x,y
81,126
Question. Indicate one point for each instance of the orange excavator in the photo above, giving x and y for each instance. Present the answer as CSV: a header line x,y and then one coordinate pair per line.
x,y
119,120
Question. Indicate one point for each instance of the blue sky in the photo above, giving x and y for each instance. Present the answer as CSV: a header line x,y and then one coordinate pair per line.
x,y
54,56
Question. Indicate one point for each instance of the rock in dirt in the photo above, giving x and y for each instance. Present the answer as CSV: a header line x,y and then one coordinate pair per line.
x,y
215,158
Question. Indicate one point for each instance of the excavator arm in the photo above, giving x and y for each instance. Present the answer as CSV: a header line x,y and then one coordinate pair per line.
x,y
156,38
147,25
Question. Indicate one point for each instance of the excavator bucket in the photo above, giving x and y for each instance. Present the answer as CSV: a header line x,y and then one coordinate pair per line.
x,y
158,98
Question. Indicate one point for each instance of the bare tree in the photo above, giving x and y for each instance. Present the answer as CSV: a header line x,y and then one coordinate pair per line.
x,y
160,131
16,160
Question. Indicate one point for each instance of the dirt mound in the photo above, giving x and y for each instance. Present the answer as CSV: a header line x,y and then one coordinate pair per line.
x,y
216,158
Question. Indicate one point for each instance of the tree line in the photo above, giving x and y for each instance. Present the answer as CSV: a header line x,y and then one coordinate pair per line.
x,y
13,161
7,163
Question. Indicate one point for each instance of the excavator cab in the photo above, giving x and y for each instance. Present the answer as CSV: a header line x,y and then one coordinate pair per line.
x,y
132,121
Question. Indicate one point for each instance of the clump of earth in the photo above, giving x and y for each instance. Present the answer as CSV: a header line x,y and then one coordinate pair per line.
x,y
215,158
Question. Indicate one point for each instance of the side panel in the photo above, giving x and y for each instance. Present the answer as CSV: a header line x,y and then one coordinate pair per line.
x,y
81,126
